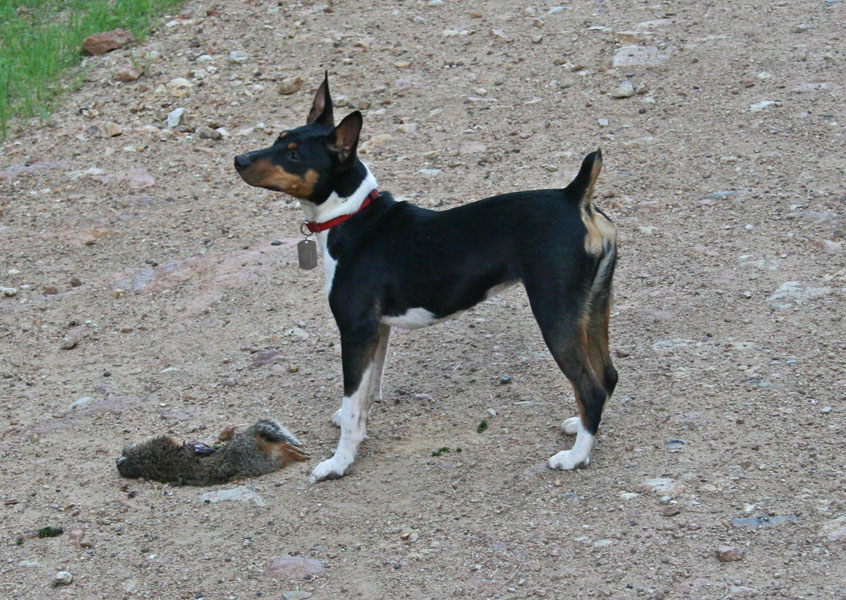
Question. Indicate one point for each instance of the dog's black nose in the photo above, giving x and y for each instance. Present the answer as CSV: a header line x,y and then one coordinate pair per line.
x,y
242,161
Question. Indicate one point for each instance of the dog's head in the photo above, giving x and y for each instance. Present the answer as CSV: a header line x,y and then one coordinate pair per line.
x,y
306,162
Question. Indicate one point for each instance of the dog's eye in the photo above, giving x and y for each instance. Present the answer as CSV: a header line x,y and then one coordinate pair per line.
x,y
293,155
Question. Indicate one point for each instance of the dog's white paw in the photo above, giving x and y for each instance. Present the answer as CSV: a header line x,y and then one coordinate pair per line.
x,y
329,469
336,418
567,460
571,426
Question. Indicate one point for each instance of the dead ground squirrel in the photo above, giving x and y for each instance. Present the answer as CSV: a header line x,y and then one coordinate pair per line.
x,y
259,449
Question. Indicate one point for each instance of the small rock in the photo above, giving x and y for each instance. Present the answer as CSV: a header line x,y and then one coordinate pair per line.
x,y
759,106
407,128
80,402
238,56
174,117
661,485
640,55
375,142
62,578
290,85
239,494
179,87
835,530
100,43
790,293
296,595
69,342
110,129
9,291
129,74
622,353
285,567
75,282
505,379
207,133
76,534
624,90
729,553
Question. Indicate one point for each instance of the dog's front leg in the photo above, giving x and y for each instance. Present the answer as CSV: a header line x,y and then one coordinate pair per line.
x,y
376,372
358,352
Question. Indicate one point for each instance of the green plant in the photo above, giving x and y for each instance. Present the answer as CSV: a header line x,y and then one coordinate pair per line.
x,y
41,39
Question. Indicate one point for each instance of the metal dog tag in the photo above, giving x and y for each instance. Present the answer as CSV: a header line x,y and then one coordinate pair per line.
x,y
307,254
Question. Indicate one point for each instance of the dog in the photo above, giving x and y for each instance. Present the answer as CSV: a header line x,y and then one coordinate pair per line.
x,y
389,264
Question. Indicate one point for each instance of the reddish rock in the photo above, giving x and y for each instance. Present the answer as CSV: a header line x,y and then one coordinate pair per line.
x,y
129,74
100,43
729,553
286,567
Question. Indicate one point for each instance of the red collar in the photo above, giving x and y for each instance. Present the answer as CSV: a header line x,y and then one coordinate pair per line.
x,y
318,227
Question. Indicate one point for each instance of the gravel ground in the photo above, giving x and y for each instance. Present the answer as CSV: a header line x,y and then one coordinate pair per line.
x,y
148,290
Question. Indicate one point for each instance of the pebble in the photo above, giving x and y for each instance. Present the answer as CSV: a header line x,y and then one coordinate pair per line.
x,y
640,55
296,595
505,379
625,90
791,293
290,85
238,56
286,566
179,87
239,494
759,106
128,74
207,133
729,553
9,291
69,342
110,129
174,117
106,41
62,578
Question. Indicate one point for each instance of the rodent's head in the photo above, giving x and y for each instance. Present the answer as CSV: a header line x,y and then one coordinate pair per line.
x,y
127,464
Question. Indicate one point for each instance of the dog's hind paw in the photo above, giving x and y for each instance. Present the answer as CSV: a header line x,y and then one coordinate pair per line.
x,y
571,426
329,469
568,460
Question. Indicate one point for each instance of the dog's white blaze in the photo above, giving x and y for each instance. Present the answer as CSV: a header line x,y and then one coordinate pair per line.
x,y
578,455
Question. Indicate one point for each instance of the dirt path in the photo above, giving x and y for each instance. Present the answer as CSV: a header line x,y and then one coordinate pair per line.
x,y
145,255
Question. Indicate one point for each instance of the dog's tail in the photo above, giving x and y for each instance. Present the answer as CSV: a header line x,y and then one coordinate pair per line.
x,y
581,188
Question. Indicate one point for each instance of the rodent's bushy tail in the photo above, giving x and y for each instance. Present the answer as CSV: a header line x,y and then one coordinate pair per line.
x,y
272,431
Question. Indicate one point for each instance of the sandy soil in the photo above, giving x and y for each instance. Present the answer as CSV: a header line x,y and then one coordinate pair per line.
x,y
143,295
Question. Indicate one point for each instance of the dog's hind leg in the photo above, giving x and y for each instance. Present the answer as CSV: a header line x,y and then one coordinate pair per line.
x,y
564,317
358,353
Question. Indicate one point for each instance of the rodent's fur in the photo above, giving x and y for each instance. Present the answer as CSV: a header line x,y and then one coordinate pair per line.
x,y
264,447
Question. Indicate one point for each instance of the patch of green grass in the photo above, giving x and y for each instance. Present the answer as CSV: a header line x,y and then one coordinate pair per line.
x,y
41,39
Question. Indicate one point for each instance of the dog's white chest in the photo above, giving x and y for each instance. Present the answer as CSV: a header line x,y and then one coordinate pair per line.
x,y
329,263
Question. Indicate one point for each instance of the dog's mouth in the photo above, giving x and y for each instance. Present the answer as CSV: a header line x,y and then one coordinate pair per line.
x,y
264,174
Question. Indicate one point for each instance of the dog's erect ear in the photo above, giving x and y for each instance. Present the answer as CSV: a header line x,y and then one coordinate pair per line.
x,y
321,108
344,139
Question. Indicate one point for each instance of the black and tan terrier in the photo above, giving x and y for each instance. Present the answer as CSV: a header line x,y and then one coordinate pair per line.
x,y
392,264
